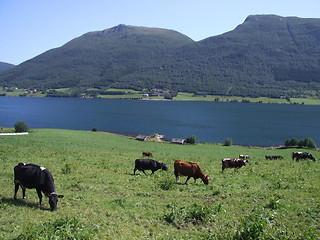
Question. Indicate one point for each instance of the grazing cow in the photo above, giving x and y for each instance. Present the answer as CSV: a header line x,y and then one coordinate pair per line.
x,y
244,156
274,157
34,176
147,154
233,163
148,164
302,155
189,169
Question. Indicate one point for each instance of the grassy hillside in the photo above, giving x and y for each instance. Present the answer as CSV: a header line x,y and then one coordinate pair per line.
x,y
276,199
265,56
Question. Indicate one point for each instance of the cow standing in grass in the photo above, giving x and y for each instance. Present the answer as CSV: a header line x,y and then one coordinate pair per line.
x,y
233,163
242,156
273,157
302,155
148,164
147,154
34,176
189,169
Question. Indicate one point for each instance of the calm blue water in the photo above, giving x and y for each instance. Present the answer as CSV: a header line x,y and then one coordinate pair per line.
x,y
246,124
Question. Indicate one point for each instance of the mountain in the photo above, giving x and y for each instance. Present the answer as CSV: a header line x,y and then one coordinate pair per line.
x,y
5,66
98,59
267,55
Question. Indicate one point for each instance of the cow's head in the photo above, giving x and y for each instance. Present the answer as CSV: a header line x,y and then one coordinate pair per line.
x,y
53,200
206,180
311,157
164,167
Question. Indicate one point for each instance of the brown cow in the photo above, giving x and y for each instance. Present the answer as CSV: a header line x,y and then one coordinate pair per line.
x,y
147,154
189,169
233,163
302,155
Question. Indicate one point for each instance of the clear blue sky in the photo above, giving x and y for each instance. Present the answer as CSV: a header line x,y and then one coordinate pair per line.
x,y
31,27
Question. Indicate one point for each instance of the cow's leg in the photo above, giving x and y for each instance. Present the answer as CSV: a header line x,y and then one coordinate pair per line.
x,y
23,192
187,180
177,179
134,171
40,196
144,172
16,188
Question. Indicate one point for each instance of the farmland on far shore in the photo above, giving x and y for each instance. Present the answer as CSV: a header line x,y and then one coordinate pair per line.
x,y
266,199
133,94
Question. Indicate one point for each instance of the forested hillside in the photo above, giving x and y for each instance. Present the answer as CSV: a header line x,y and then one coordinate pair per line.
x,y
267,55
5,66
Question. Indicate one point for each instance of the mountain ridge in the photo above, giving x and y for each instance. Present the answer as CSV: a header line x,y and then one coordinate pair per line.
x,y
266,55
6,66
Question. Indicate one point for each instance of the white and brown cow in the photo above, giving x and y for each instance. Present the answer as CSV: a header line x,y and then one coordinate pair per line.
x,y
233,163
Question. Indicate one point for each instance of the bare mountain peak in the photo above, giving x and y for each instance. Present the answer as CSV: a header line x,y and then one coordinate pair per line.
x,y
255,18
120,28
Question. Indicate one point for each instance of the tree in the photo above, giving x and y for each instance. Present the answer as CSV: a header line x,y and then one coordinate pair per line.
x,y
191,139
287,143
307,142
294,142
21,127
228,142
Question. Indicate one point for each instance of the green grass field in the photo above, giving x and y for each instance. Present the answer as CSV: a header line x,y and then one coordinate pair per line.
x,y
267,199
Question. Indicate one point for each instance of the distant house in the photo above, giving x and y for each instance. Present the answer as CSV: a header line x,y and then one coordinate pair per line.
x,y
142,138
160,137
178,140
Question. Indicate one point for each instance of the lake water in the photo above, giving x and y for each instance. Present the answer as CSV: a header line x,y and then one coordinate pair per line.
x,y
245,123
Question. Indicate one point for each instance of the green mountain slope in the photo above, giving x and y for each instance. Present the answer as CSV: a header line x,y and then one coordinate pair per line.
x,y
264,56
5,66
267,55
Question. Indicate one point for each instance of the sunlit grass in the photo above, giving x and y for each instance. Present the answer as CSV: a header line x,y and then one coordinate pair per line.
x,y
104,200
306,101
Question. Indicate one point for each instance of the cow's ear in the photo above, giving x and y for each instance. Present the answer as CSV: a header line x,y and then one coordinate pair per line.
x,y
60,196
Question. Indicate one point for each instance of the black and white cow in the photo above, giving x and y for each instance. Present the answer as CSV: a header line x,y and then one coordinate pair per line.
x,y
148,164
233,163
302,155
34,176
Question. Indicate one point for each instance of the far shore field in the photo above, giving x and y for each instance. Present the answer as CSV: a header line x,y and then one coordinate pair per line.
x,y
182,96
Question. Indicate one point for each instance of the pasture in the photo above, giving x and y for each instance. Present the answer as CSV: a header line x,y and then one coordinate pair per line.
x,y
267,199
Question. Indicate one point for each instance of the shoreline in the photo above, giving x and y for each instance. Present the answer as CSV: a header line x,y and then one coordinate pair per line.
x,y
183,96
133,136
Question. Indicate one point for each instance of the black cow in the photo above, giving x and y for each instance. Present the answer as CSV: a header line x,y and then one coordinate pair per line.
x,y
274,157
148,164
34,176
